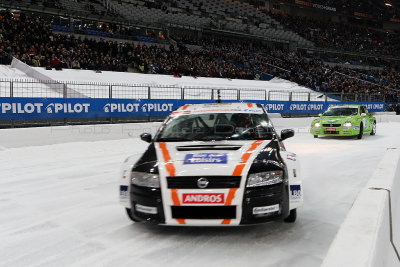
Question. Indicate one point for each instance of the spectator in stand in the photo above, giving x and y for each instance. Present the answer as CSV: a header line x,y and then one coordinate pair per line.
x,y
397,109
55,63
36,61
75,64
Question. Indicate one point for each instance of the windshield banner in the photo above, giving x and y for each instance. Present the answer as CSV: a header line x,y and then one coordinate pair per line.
x,y
12,108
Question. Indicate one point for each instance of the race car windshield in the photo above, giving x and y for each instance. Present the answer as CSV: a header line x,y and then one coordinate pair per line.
x,y
216,126
341,112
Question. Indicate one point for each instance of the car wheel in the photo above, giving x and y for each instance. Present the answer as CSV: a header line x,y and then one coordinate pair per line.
x,y
315,136
129,213
359,136
292,216
373,132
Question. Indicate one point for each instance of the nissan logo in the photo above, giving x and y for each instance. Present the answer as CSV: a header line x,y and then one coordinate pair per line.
x,y
202,183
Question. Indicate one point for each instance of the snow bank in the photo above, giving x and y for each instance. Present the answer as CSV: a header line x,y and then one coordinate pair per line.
x,y
23,137
387,117
370,234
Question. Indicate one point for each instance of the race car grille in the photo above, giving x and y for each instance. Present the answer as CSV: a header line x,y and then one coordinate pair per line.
x,y
331,132
191,182
201,212
331,125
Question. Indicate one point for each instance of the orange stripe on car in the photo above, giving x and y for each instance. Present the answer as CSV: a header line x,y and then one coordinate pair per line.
x,y
175,197
230,196
176,202
181,221
170,167
185,107
229,199
238,171
239,168
226,221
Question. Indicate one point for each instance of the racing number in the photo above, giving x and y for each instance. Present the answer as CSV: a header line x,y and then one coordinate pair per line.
x,y
296,193
364,118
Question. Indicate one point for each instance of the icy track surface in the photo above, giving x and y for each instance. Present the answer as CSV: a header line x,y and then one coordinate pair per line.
x,y
59,207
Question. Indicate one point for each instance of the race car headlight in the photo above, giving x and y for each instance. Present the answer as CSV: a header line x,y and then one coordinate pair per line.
x,y
145,179
347,124
317,125
264,178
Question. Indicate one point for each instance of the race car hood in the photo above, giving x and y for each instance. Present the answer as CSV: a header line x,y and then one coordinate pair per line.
x,y
202,158
335,119
216,151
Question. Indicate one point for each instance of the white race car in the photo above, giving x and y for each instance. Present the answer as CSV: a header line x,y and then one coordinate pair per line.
x,y
213,164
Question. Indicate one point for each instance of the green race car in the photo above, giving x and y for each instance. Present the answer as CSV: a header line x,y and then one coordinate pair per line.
x,y
344,120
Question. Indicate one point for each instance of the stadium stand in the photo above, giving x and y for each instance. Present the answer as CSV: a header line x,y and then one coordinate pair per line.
x,y
342,36
224,15
369,63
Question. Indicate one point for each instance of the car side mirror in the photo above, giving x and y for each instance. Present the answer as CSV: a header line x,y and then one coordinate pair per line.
x,y
363,114
146,137
287,133
320,114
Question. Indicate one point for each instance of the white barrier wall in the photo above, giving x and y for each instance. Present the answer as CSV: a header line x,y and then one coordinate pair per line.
x,y
97,132
370,235
39,136
34,73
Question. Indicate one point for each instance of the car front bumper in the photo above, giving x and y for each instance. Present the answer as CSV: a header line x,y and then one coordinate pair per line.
x,y
336,131
276,196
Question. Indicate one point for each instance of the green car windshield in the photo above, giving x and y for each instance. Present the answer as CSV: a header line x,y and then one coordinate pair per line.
x,y
216,126
341,112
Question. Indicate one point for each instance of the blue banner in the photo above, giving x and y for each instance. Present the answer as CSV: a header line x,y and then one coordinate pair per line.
x,y
58,108
305,107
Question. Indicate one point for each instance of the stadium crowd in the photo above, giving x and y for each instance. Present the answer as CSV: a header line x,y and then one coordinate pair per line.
x,y
342,36
31,40
377,9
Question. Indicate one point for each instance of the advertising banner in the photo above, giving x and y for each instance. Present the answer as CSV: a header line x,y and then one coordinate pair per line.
x,y
309,4
58,108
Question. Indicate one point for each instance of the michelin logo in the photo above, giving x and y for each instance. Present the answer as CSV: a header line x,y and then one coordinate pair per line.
x,y
19,108
135,107
157,107
113,107
37,108
49,108
206,158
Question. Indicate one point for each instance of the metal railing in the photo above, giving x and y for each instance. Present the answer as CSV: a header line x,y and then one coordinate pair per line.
x,y
70,89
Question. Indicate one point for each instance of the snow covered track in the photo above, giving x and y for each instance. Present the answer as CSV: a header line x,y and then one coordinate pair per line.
x,y
59,203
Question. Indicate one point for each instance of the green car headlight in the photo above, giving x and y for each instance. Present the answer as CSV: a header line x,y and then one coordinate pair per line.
x,y
347,124
145,179
264,178
317,125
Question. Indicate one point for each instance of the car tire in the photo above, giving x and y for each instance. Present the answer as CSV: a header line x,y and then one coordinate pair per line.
x,y
359,136
315,136
129,213
292,216
373,131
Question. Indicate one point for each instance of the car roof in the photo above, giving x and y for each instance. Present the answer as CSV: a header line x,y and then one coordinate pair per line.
x,y
345,106
239,107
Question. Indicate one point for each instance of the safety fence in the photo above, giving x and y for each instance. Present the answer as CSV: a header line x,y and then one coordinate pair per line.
x,y
30,102
69,89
